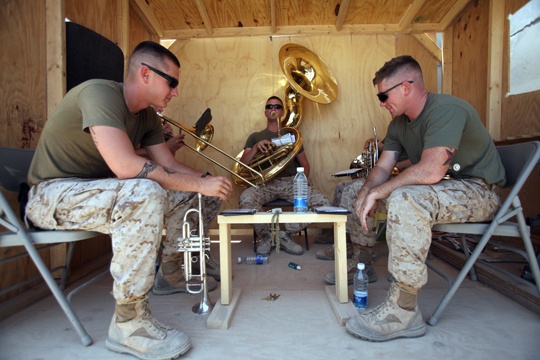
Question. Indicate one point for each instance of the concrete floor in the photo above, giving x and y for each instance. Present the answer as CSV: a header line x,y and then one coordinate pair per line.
x,y
479,323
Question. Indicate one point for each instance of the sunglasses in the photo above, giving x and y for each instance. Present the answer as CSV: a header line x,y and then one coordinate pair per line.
x,y
173,83
273,106
383,95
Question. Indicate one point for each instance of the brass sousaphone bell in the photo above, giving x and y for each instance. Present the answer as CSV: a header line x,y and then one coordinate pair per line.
x,y
308,77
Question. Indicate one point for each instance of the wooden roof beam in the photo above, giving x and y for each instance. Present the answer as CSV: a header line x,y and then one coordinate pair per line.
x,y
204,16
342,13
273,25
147,16
410,14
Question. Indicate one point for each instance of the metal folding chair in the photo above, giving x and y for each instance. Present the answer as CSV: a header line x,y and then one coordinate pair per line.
x,y
519,160
14,165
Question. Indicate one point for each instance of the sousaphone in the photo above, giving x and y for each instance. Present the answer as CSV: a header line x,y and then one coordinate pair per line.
x,y
308,77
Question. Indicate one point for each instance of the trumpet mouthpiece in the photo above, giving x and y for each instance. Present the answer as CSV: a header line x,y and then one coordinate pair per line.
x,y
273,113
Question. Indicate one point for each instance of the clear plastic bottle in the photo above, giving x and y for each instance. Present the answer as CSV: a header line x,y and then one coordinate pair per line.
x,y
252,260
300,188
361,288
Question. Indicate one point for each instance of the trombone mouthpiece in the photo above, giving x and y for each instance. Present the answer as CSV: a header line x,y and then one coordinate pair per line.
x,y
273,113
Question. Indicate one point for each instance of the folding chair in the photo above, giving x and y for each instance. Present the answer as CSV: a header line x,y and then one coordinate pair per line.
x,y
279,203
518,160
14,165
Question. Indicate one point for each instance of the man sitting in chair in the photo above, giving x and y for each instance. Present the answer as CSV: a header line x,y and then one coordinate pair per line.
x,y
441,134
280,187
86,175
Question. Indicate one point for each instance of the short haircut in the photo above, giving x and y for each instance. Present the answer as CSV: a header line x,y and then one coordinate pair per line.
x,y
151,50
275,98
397,66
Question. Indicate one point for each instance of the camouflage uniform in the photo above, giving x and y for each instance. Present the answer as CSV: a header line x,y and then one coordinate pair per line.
x,y
414,209
132,211
252,198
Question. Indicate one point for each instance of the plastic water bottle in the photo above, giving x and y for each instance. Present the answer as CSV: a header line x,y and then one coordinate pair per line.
x,y
300,186
253,260
361,287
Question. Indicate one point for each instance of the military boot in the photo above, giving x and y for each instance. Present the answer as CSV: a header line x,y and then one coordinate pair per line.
x,y
397,317
170,277
134,331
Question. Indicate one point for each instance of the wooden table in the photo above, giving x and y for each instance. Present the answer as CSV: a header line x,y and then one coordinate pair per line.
x,y
225,307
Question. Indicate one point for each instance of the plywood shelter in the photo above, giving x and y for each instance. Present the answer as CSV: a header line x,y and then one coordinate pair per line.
x,y
228,50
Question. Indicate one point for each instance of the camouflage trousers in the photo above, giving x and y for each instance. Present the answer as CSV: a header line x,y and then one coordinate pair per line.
x,y
413,210
133,212
281,188
345,195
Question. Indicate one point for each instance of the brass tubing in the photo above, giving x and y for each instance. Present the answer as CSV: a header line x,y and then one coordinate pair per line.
x,y
192,133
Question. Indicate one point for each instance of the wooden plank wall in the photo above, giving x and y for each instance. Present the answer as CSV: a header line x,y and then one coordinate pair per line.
x,y
234,76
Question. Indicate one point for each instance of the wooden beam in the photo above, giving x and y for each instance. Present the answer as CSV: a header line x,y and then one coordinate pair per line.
x,y
410,14
495,65
204,16
430,45
273,23
342,13
122,15
55,28
453,13
448,60
147,16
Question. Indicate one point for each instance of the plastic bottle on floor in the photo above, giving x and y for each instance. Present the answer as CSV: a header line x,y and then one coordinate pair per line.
x,y
300,188
253,260
361,288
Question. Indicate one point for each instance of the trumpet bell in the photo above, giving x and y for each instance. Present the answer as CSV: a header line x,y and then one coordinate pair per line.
x,y
206,134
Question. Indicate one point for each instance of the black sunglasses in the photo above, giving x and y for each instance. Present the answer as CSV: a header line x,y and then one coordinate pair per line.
x,y
173,83
382,95
273,106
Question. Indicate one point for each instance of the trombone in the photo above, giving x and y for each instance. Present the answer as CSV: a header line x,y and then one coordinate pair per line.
x,y
208,132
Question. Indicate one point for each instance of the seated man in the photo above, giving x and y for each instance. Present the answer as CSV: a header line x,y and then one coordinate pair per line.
x,y
279,187
86,175
441,135
345,195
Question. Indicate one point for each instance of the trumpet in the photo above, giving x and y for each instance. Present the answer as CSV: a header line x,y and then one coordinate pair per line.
x,y
204,133
196,284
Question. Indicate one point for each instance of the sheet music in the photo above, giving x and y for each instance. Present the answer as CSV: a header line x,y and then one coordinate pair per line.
x,y
348,172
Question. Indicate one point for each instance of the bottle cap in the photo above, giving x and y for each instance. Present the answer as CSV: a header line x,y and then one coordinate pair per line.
x,y
361,266
299,169
239,260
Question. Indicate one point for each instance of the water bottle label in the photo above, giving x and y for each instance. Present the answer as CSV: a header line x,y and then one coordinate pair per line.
x,y
259,260
360,300
300,203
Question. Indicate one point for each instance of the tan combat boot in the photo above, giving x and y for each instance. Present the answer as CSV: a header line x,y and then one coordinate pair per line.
x,y
397,317
170,277
134,331
361,254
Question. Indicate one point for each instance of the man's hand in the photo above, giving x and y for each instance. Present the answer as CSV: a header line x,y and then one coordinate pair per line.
x,y
217,186
176,142
364,207
264,145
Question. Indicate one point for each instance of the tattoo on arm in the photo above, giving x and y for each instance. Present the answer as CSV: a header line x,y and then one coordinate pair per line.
x,y
151,166
450,154
147,169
